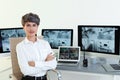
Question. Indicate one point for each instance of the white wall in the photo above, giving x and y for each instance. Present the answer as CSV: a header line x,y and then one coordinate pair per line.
x,y
61,13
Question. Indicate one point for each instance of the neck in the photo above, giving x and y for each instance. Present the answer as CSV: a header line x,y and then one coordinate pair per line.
x,y
32,38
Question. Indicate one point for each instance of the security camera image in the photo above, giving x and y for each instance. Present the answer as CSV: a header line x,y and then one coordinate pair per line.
x,y
98,39
69,53
58,38
9,33
0,44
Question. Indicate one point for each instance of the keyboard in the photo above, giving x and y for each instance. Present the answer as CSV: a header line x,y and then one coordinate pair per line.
x,y
67,63
115,66
71,62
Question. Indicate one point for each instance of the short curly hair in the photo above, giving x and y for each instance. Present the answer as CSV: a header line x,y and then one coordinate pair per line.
x,y
30,17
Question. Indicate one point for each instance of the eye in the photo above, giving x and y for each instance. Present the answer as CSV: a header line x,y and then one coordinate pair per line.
x,y
28,25
34,25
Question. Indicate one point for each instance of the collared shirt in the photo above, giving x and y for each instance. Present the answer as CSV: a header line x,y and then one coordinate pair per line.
x,y
37,51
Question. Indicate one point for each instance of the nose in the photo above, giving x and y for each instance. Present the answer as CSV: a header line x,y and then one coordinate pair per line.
x,y
31,27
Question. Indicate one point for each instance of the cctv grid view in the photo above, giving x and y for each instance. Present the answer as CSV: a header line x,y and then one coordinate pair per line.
x,y
69,53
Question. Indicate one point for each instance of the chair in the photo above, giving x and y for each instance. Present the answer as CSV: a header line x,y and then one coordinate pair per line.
x,y
17,75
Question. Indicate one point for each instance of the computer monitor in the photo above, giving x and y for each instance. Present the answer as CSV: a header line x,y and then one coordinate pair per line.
x,y
5,34
69,53
99,38
58,37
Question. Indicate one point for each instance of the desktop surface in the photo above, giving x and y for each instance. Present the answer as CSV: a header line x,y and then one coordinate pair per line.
x,y
92,68
5,63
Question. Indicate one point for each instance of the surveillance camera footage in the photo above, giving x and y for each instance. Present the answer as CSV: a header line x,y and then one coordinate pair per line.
x,y
99,39
5,34
58,37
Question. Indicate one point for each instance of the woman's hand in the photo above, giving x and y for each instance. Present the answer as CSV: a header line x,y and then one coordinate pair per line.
x,y
31,63
50,57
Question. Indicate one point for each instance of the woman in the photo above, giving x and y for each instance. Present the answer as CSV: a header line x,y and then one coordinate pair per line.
x,y
35,56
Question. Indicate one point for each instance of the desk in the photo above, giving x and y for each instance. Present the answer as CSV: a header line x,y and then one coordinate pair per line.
x,y
5,63
96,69
95,72
92,72
5,67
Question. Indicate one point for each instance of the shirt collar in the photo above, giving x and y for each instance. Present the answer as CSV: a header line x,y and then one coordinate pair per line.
x,y
27,41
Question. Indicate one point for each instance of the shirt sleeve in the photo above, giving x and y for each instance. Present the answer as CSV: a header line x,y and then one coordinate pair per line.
x,y
23,63
46,65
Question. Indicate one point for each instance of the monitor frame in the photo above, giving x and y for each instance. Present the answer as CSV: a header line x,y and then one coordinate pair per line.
x,y
5,34
61,40
66,53
116,39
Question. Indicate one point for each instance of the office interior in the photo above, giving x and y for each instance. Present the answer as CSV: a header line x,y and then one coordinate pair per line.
x,y
63,14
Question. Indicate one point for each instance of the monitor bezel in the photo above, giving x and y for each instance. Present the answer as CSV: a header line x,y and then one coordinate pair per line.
x,y
107,26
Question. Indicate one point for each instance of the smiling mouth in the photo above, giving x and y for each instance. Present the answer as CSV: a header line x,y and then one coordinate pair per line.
x,y
31,32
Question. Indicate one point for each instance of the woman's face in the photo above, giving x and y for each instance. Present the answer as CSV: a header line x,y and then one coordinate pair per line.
x,y
30,29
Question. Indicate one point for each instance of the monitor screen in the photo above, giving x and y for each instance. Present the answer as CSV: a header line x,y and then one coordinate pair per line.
x,y
5,34
58,37
68,53
98,38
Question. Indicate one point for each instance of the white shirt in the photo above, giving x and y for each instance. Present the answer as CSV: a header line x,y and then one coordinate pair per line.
x,y
37,51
